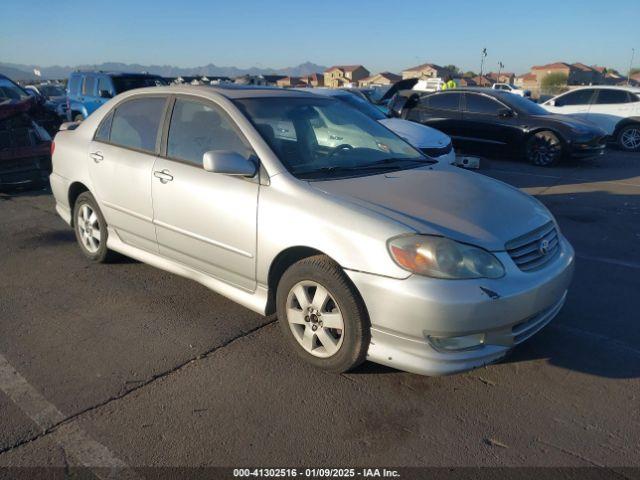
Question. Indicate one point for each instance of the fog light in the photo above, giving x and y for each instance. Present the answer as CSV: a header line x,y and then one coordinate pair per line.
x,y
456,344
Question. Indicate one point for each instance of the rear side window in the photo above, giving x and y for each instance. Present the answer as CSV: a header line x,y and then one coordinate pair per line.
x,y
444,101
104,130
196,128
135,123
579,97
104,85
89,85
481,104
74,84
608,96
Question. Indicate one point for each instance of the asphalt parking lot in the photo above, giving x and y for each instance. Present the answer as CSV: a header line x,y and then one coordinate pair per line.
x,y
124,364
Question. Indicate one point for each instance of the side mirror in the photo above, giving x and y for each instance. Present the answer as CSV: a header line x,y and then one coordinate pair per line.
x,y
105,94
552,103
505,113
228,163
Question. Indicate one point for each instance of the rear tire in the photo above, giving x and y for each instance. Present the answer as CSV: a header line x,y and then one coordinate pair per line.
x,y
322,316
91,229
629,138
543,149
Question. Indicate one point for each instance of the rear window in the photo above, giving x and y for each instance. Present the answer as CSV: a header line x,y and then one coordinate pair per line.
x,y
122,84
135,123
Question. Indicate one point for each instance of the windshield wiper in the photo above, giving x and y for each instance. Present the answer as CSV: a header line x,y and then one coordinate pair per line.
x,y
384,164
387,161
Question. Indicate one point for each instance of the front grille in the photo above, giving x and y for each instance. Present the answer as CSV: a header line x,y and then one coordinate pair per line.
x,y
535,249
437,151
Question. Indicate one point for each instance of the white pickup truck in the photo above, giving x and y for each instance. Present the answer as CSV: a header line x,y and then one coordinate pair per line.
x,y
508,87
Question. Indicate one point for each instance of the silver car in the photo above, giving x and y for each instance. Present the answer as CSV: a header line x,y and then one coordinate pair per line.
x,y
367,249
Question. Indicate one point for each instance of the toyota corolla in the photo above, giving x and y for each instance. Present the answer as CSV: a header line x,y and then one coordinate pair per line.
x,y
364,249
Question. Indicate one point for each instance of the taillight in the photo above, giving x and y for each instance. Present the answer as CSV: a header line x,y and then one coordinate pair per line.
x,y
53,147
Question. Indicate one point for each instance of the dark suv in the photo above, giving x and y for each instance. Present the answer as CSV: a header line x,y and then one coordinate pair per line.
x,y
87,91
479,118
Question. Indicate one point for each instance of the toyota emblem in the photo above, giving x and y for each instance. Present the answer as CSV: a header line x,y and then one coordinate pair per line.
x,y
543,247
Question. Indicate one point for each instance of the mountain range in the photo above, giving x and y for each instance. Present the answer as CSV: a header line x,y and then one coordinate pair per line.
x,y
26,72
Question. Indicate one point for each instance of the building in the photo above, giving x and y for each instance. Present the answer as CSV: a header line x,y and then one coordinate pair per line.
x,y
313,80
290,82
502,77
380,79
577,73
483,81
426,70
528,81
263,80
344,75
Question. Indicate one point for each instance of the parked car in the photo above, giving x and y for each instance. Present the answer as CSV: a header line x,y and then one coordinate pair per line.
x,y
54,97
477,118
368,249
429,140
24,144
86,91
614,109
509,87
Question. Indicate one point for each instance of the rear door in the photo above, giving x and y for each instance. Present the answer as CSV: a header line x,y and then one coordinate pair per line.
x,y
89,93
122,155
205,220
441,111
482,122
610,106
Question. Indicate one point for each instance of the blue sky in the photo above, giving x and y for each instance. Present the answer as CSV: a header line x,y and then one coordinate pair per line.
x,y
382,35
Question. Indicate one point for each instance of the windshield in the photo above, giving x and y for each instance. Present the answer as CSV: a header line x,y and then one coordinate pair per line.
x,y
122,84
524,105
362,106
10,91
52,90
323,138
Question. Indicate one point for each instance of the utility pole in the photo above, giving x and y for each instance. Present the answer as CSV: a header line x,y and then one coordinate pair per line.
x,y
484,54
633,52
500,67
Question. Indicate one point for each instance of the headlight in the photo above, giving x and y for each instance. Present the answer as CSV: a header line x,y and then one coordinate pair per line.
x,y
443,258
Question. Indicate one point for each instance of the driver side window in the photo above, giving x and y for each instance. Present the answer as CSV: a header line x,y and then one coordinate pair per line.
x,y
197,128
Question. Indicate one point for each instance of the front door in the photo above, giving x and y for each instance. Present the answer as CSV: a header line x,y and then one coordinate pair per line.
x,y
483,122
205,220
121,159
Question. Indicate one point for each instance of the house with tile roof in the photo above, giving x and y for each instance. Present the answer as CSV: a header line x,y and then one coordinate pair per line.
x,y
344,75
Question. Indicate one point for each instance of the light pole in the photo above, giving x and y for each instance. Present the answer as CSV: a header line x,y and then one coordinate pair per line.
x,y
500,67
484,54
633,52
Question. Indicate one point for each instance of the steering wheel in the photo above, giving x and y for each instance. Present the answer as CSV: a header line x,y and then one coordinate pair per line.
x,y
339,148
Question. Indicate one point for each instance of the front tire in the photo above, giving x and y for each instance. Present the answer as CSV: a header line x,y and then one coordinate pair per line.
x,y
322,316
629,138
91,229
543,149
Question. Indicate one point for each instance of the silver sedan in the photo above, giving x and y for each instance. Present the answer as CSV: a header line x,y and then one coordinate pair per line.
x,y
295,204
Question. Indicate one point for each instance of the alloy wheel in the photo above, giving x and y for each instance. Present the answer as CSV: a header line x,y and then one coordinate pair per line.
x,y
315,319
630,138
89,228
544,149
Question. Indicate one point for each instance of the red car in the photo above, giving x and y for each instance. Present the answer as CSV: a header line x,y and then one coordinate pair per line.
x,y
25,146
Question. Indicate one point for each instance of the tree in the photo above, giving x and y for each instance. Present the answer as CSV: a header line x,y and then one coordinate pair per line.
x,y
470,74
453,70
554,83
633,71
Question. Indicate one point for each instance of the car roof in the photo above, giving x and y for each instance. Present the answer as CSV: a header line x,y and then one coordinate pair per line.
x,y
230,91
114,74
327,92
486,90
626,88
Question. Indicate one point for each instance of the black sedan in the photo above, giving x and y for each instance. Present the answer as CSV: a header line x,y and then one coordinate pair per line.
x,y
476,118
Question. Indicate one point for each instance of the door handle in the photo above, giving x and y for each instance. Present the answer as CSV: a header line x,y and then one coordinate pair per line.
x,y
96,156
163,175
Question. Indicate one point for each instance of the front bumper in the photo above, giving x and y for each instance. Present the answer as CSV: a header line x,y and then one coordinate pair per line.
x,y
592,148
509,310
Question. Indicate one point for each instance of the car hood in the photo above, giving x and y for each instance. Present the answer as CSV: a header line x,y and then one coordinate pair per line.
x,y
418,135
571,122
445,200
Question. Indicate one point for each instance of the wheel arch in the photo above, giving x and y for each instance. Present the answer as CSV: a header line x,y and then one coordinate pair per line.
x,y
623,123
75,189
